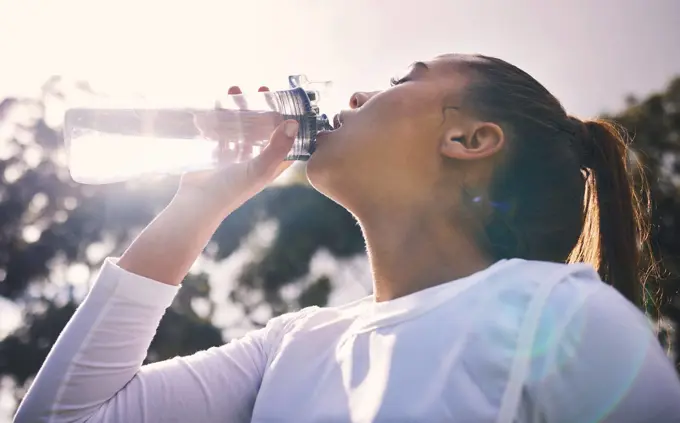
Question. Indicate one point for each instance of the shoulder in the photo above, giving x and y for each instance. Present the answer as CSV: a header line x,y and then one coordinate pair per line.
x,y
595,357
310,321
581,304
592,318
528,276
566,308
568,291
582,317
310,317
560,289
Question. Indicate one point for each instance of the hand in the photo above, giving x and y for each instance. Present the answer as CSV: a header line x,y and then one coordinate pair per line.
x,y
226,188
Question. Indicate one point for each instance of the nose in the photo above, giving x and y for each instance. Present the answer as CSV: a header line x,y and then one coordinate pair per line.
x,y
359,98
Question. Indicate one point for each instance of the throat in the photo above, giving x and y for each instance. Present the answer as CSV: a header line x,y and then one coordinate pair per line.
x,y
407,258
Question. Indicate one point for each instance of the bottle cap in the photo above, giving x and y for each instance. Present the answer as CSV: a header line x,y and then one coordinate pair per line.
x,y
316,90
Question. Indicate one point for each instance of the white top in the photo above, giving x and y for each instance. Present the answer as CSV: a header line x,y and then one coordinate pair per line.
x,y
540,341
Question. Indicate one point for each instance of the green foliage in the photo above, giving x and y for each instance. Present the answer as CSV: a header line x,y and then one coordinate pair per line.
x,y
655,125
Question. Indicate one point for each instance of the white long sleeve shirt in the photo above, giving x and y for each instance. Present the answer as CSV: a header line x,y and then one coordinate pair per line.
x,y
520,341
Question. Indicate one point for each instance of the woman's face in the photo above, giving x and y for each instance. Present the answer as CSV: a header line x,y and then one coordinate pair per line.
x,y
387,150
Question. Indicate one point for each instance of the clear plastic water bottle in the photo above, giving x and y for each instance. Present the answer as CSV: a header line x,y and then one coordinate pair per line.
x,y
107,145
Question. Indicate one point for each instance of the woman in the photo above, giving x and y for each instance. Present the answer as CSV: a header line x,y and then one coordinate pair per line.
x,y
468,179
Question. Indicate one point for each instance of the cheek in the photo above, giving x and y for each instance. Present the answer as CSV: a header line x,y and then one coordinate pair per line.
x,y
383,126
389,146
408,135
393,170
411,111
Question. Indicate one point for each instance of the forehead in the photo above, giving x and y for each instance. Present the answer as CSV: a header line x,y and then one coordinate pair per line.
x,y
442,66
447,71
452,62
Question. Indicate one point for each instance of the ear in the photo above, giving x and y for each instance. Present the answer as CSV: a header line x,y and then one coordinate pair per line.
x,y
479,141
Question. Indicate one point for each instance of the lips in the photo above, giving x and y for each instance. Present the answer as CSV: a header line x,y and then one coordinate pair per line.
x,y
335,124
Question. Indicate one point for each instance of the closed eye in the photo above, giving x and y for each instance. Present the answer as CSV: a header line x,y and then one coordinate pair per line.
x,y
394,81
415,67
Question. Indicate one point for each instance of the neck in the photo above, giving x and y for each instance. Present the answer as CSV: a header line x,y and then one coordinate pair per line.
x,y
410,252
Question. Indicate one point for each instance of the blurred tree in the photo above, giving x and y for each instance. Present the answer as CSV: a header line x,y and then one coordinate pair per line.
x,y
655,125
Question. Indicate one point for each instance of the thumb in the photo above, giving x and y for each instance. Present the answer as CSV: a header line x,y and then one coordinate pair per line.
x,y
280,143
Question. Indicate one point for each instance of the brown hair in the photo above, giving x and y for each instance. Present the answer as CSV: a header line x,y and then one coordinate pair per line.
x,y
565,190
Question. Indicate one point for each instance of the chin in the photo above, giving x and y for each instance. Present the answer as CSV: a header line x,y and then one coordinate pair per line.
x,y
334,169
327,172
325,160
319,173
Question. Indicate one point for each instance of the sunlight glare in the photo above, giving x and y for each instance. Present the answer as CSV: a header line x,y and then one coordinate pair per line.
x,y
14,172
96,158
31,233
38,203
77,274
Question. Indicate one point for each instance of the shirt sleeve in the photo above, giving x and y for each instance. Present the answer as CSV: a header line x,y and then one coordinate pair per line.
x,y
607,367
94,372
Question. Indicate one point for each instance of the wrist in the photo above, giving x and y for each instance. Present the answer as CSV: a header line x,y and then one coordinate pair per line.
x,y
198,207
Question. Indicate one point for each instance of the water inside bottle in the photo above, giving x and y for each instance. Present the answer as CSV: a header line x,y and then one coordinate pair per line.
x,y
130,151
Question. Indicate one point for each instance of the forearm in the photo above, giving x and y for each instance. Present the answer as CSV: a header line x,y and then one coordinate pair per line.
x,y
100,350
93,367
94,372
168,247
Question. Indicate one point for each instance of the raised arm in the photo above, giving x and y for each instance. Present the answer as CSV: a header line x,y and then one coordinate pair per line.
x,y
94,372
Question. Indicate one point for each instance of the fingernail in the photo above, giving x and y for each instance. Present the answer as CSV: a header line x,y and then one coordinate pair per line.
x,y
291,128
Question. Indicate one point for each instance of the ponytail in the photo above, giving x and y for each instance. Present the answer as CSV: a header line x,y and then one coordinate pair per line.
x,y
571,191
616,229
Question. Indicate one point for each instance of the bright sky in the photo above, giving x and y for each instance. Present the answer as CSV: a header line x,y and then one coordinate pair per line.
x,y
591,53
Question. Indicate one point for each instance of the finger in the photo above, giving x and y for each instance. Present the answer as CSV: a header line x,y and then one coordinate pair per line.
x,y
252,127
255,127
239,99
226,152
219,124
244,150
276,151
240,152
272,106
234,90
268,98
207,122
